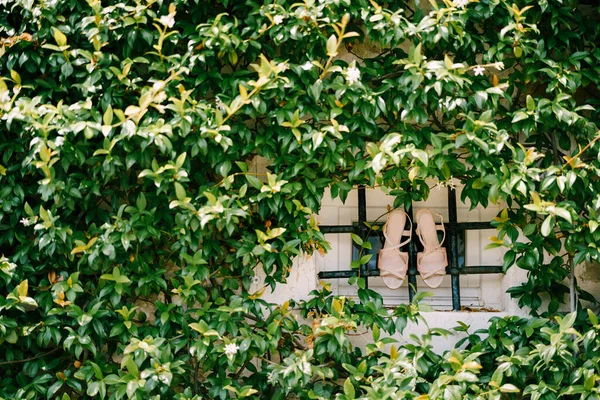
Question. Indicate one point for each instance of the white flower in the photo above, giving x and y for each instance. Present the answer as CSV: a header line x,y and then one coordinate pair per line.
x,y
478,70
4,96
307,66
461,3
499,65
278,19
231,349
352,75
282,67
168,20
220,105
25,221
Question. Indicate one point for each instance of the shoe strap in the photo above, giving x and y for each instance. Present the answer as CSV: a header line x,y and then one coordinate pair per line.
x,y
429,274
443,229
396,274
401,244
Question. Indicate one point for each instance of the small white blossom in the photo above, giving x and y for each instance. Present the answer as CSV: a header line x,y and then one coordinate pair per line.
x,y
282,67
168,20
352,75
231,349
4,96
478,70
499,65
278,19
461,3
37,12
307,66
25,221
220,105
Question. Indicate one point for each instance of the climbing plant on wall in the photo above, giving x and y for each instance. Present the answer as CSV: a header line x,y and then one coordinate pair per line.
x,y
132,219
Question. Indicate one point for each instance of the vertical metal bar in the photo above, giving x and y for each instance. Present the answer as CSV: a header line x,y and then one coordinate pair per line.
x,y
452,247
412,258
362,228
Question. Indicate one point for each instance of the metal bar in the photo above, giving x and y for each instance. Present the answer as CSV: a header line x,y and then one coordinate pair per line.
x,y
338,228
476,269
362,228
453,247
345,274
412,258
362,207
481,269
460,226
468,226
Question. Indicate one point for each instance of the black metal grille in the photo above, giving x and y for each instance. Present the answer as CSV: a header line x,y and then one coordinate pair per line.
x,y
454,268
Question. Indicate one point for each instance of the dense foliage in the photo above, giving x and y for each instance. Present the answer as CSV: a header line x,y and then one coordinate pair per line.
x,y
132,219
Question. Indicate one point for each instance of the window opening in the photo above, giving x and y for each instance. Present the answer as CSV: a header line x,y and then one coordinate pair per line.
x,y
454,243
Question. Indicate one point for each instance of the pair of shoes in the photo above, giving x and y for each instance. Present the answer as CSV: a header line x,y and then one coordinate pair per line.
x,y
431,262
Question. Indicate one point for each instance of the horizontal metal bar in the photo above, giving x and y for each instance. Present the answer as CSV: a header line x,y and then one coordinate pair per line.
x,y
345,274
467,226
460,226
479,269
338,228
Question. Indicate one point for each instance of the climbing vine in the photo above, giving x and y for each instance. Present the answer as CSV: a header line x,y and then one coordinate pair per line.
x,y
133,216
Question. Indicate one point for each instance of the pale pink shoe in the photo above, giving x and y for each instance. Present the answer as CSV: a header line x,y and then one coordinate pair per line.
x,y
432,261
392,263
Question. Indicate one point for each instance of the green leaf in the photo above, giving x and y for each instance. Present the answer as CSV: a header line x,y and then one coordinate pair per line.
x,y
332,46
593,318
179,191
254,181
59,37
530,103
563,213
349,389
547,225
242,166
107,119
365,259
356,239
567,321
509,388
15,76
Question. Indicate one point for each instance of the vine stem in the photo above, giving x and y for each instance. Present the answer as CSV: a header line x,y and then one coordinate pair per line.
x,y
572,286
587,146
31,358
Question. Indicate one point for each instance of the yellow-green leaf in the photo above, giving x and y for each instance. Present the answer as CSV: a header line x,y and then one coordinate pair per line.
x,y
23,288
59,37
15,76
332,45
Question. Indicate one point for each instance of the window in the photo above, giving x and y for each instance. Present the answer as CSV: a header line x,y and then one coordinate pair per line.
x,y
473,278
